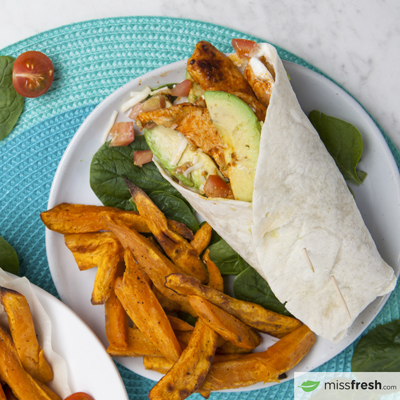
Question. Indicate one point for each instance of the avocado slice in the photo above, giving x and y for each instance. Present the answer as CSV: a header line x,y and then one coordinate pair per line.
x,y
240,131
163,142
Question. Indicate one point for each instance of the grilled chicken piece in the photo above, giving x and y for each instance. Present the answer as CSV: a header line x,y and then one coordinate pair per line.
x,y
213,70
194,123
261,85
254,104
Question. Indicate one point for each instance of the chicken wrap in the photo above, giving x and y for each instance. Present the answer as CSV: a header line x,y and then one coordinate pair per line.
x,y
285,192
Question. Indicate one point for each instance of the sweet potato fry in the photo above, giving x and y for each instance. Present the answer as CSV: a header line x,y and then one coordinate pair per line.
x,y
189,372
175,246
251,314
178,324
159,364
101,249
79,218
229,327
2,394
138,346
12,372
24,336
261,367
116,322
202,238
167,304
163,365
153,261
223,347
8,393
215,280
89,248
48,391
145,311
180,229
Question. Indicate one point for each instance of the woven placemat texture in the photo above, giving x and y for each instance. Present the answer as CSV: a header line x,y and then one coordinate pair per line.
x,y
91,60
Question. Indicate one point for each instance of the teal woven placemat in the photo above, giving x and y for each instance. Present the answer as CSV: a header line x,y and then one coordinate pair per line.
x,y
91,60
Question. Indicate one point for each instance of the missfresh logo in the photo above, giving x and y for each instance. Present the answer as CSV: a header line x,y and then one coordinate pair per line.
x,y
309,386
347,386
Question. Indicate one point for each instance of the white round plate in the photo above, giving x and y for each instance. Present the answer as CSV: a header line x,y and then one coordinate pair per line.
x,y
90,368
378,199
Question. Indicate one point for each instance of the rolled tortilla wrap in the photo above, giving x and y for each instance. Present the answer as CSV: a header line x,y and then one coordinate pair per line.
x,y
300,200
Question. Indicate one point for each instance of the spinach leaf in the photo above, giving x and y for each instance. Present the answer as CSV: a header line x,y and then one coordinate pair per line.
x,y
11,103
8,257
249,285
214,237
110,163
187,318
344,143
378,350
226,259
175,208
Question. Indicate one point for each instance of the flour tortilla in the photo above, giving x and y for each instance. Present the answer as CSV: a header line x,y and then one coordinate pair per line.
x,y
300,200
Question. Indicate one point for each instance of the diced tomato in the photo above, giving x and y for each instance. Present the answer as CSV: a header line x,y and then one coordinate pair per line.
x,y
122,134
80,396
182,89
244,47
141,157
154,103
136,110
216,187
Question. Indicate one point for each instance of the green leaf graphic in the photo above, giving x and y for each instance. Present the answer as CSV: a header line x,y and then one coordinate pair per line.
x,y
309,386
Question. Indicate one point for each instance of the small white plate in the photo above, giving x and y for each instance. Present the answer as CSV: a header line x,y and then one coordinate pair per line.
x,y
378,199
90,368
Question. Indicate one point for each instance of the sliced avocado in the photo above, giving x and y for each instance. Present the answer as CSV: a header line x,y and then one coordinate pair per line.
x,y
240,131
163,143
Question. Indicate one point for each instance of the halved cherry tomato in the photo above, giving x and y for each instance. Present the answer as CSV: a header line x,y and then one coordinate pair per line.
x,y
216,187
33,74
80,396
244,47
182,89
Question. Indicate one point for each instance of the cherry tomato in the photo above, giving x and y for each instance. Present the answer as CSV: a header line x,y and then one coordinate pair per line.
x,y
33,74
80,396
243,47
216,187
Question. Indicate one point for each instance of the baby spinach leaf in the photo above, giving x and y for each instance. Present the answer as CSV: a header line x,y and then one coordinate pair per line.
x,y
11,103
249,285
175,208
8,257
378,350
110,163
344,143
226,259
187,318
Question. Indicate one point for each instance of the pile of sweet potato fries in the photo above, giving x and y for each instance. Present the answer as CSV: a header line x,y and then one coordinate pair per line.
x,y
24,370
144,280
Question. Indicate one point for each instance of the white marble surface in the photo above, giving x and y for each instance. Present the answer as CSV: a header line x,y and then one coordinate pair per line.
x,y
355,42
